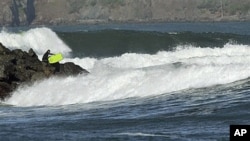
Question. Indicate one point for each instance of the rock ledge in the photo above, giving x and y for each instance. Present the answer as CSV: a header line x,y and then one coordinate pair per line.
x,y
18,67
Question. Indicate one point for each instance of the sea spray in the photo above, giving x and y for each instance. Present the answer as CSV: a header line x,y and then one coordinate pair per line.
x,y
229,54
184,89
39,39
128,75
140,75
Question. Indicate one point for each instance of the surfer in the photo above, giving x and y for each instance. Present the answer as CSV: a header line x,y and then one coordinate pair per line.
x,y
46,56
46,60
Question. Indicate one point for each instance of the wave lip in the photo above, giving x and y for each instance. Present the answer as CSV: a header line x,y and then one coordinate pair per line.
x,y
39,39
110,43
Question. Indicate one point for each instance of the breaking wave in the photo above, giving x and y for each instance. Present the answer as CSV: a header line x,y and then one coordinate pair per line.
x,y
129,74
39,39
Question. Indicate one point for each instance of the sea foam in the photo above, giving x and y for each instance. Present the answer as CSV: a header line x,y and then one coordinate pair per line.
x,y
39,39
139,75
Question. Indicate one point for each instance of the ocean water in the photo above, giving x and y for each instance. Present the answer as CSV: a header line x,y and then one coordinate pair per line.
x,y
161,81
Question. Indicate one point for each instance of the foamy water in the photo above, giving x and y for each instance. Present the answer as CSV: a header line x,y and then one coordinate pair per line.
x,y
128,75
39,39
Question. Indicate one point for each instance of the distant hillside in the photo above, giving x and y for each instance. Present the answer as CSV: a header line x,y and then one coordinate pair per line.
x,y
54,12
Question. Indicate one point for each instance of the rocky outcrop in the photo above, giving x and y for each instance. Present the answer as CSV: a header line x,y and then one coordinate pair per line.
x,y
17,67
105,11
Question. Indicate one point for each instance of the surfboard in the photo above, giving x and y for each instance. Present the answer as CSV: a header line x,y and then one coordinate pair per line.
x,y
55,58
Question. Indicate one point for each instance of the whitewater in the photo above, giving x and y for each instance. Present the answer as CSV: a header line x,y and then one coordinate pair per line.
x,y
128,75
166,81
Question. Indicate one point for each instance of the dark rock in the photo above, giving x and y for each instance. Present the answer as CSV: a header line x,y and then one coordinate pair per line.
x,y
70,68
17,67
38,76
6,70
32,53
3,50
5,89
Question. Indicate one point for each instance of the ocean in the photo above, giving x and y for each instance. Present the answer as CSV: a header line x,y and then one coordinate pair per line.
x,y
154,81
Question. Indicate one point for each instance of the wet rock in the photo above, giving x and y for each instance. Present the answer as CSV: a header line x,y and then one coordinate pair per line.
x,y
17,67
70,68
5,89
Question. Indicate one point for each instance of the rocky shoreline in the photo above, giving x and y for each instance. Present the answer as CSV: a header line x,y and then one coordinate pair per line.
x,y
18,67
65,12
